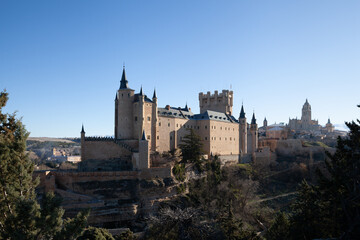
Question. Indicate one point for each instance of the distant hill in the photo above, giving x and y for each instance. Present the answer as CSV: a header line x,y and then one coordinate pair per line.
x,y
48,139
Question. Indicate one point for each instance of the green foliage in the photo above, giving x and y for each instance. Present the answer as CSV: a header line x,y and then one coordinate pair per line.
x,y
128,235
93,233
179,171
279,229
21,217
181,188
233,229
181,224
332,207
16,182
191,149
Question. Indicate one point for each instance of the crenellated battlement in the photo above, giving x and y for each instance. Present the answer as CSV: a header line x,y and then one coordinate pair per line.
x,y
220,102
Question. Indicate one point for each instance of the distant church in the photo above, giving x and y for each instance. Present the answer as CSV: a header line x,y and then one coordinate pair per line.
x,y
141,128
306,124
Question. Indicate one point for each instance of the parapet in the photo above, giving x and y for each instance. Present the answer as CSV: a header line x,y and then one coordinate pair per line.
x,y
219,102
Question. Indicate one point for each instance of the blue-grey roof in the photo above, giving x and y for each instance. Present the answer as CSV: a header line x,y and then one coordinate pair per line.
x,y
186,114
136,98
217,116
124,81
175,112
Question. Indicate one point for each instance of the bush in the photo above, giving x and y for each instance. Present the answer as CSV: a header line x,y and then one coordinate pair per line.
x,y
179,172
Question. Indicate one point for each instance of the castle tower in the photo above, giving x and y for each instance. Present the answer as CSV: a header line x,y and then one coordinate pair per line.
x,y
124,110
242,132
265,123
144,156
82,143
222,102
140,110
154,117
306,115
254,134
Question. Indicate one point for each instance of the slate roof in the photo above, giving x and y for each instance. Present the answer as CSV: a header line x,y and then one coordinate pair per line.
x,y
217,116
186,114
136,98
176,113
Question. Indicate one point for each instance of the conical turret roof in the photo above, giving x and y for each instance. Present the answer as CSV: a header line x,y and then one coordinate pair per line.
x,y
124,81
253,120
242,112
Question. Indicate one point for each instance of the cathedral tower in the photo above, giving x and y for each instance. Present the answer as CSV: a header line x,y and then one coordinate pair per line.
x,y
306,114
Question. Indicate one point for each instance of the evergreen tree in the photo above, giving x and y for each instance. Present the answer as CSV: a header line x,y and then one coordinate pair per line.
x,y
279,229
332,207
93,233
191,149
21,217
16,182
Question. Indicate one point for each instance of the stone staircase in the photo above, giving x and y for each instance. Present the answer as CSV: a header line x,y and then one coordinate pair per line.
x,y
124,145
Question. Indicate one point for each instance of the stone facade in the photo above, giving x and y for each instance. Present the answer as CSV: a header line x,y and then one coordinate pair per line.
x,y
141,128
306,124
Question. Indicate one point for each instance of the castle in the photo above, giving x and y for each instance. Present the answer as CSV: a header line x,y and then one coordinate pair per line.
x,y
142,128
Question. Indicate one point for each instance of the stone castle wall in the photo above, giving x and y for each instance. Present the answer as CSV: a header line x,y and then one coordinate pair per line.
x,y
102,150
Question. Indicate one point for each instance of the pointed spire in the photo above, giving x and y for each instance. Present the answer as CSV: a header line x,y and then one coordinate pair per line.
x,y
141,93
154,95
143,135
186,107
329,120
253,120
242,112
116,98
124,81
82,129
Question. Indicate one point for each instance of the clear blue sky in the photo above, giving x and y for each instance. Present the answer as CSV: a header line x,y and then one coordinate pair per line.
x,y
61,61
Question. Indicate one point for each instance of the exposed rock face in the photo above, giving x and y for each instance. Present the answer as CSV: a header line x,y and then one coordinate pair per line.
x,y
117,199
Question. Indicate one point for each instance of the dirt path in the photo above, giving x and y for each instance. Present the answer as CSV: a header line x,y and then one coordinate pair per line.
x,y
275,197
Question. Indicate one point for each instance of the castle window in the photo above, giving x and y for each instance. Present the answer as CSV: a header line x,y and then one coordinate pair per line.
x,y
177,125
225,128
128,94
198,127
220,128
159,123
205,126
122,94
191,127
220,138
148,137
157,137
205,138
168,124
149,118
225,139
135,119
230,138
214,127
214,138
